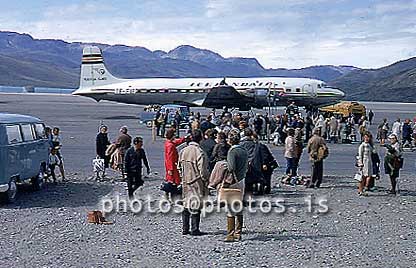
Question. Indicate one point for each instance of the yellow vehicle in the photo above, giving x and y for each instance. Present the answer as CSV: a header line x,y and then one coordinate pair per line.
x,y
345,109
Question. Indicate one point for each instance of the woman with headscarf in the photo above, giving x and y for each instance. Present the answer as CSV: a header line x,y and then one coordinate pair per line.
x,y
365,162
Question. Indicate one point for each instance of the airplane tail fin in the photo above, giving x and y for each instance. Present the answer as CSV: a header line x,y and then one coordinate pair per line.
x,y
93,70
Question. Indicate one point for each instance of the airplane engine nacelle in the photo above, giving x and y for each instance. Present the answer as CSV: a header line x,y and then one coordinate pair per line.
x,y
227,96
261,97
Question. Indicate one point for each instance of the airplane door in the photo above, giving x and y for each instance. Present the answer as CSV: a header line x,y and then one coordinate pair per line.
x,y
310,90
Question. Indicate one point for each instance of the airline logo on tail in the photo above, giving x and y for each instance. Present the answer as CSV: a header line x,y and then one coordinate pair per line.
x,y
93,71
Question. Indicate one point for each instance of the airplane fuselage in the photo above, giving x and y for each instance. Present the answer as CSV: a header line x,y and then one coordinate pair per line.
x,y
260,92
98,83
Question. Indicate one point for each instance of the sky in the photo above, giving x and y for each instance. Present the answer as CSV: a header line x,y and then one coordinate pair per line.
x,y
279,33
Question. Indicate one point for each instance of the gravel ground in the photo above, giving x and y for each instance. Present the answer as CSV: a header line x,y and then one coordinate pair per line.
x,y
49,228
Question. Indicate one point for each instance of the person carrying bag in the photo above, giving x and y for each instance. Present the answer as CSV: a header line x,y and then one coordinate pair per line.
x,y
231,186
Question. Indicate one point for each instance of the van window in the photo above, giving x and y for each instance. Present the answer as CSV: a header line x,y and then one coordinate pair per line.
x,y
27,133
13,134
40,131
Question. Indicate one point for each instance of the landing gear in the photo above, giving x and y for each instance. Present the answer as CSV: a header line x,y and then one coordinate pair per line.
x,y
311,110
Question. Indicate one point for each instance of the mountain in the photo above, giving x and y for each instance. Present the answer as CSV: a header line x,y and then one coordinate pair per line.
x,y
396,82
25,61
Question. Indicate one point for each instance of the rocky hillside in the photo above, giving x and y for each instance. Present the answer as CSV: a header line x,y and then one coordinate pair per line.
x,y
25,61
396,82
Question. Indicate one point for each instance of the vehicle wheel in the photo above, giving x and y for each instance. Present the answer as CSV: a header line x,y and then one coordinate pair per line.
x,y
37,182
10,195
149,124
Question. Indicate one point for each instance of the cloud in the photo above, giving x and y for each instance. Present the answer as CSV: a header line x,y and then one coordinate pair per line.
x,y
278,33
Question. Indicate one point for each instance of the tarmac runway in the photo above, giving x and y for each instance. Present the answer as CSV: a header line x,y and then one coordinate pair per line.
x,y
49,228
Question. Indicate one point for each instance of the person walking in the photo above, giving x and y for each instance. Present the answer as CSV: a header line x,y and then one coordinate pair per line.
x,y
393,161
365,163
133,162
193,164
370,116
318,151
102,142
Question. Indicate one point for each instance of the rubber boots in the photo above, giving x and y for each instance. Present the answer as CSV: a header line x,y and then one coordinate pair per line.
x,y
230,229
238,227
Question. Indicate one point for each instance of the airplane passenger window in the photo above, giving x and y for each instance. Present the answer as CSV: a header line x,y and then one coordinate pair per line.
x,y
207,84
288,90
192,84
297,89
13,134
260,84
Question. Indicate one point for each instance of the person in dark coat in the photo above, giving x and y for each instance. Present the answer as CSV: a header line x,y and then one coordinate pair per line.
x,y
102,143
208,144
133,165
220,150
258,124
254,173
269,164
371,116
207,124
177,122
407,133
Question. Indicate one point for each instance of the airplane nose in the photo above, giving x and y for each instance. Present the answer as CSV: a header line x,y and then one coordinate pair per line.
x,y
341,93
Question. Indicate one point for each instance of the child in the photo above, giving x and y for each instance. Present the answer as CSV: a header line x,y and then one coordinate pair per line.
x,y
53,162
57,144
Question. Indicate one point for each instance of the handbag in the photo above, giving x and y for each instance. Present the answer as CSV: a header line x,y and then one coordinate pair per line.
x,y
358,177
169,187
98,164
229,195
97,217
274,164
398,162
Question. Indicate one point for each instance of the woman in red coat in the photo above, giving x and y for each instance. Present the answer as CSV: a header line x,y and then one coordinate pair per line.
x,y
171,157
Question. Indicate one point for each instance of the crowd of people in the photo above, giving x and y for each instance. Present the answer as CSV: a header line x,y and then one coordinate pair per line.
x,y
228,151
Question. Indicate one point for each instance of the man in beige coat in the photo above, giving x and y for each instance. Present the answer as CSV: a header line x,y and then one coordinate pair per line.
x,y
316,146
193,165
